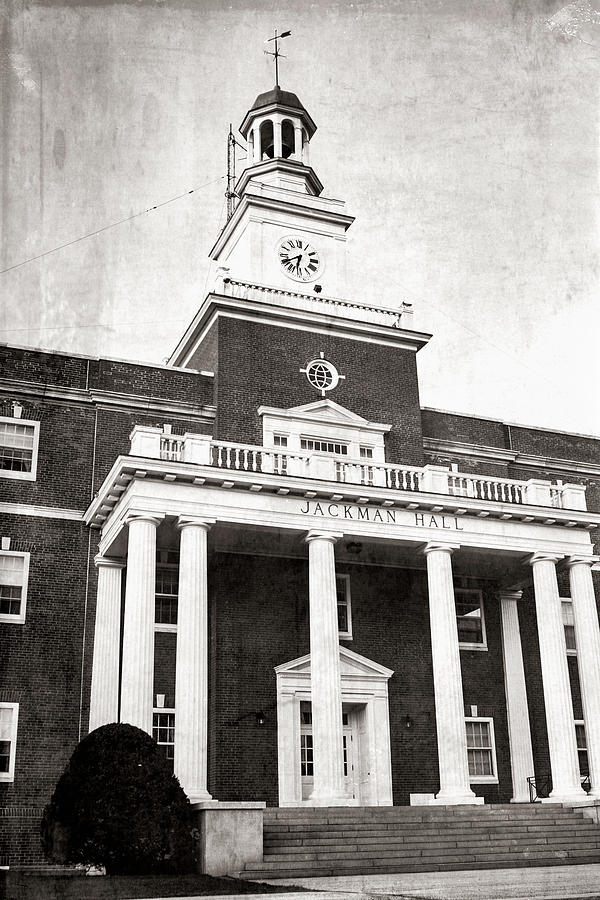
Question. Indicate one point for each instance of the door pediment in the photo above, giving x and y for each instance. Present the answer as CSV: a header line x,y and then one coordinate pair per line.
x,y
351,665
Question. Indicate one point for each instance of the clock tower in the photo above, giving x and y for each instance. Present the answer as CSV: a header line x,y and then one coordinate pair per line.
x,y
283,233
277,330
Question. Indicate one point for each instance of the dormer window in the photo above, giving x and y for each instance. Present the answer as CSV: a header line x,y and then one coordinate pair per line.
x,y
325,427
323,446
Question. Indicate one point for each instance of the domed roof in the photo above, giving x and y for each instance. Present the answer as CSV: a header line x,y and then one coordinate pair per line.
x,y
281,98
276,95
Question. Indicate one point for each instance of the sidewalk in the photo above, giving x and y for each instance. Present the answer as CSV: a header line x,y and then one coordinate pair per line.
x,y
544,883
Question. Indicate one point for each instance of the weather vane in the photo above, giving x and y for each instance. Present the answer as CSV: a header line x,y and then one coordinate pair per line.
x,y
276,54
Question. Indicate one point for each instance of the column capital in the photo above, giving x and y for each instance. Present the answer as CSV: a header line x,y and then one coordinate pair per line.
x,y
198,521
571,561
140,515
509,595
540,556
331,536
432,546
108,562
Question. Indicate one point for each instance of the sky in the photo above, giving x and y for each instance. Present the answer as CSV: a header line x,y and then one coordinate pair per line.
x,y
462,134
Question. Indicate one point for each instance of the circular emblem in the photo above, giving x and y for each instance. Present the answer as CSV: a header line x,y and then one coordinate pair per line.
x,y
322,375
299,259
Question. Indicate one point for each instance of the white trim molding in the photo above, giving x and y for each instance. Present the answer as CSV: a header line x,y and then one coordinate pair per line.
x,y
9,733
364,685
44,512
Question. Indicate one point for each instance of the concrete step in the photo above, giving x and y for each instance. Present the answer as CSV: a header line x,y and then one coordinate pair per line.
x,y
417,866
357,848
305,842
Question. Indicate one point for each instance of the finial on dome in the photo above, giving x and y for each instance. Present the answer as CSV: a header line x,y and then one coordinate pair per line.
x,y
276,54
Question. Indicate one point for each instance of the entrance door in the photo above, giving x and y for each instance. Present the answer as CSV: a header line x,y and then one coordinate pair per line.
x,y
349,752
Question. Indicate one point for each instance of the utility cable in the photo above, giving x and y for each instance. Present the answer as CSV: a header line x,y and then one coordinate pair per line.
x,y
112,225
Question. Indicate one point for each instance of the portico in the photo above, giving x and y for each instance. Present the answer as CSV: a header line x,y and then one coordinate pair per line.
x,y
287,516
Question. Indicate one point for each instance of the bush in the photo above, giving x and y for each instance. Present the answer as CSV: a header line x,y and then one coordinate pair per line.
x,y
117,805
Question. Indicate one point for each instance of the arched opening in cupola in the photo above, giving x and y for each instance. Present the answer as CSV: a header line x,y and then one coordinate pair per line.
x,y
267,146
287,138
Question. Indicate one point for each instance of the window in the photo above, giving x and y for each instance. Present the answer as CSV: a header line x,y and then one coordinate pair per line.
x,y
481,750
469,619
344,608
280,460
9,714
306,755
18,448
14,572
569,626
582,754
167,589
163,731
324,446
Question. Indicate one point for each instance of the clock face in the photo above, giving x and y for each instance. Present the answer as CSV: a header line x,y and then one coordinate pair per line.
x,y
299,259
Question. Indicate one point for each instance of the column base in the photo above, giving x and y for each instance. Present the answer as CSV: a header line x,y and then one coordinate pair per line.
x,y
200,796
575,796
331,801
451,799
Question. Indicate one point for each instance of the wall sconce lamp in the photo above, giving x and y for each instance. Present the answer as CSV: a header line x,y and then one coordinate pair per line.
x,y
354,547
408,722
260,718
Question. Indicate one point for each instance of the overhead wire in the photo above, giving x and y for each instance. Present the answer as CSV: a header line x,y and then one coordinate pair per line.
x,y
111,225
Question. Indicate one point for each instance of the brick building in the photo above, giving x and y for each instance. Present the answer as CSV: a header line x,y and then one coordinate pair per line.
x,y
312,591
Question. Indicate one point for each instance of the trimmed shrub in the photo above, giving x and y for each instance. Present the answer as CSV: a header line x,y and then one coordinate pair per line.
x,y
118,805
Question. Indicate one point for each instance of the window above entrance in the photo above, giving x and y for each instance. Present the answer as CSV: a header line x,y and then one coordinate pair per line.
x,y
324,427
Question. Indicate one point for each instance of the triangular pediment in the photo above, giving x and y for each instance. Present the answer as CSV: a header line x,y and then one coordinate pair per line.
x,y
351,665
324,412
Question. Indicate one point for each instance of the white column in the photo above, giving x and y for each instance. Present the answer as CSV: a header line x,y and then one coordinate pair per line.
x,y
519,732
191,673
555,677
325,682
137,678
298,143
277,148
104,697
455,787
587,640
256,142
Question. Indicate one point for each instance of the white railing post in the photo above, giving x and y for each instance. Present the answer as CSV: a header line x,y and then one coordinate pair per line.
x,y
434,479
537,492
145,441
573,496
196,448
321,466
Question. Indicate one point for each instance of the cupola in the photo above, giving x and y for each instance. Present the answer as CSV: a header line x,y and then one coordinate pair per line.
x,y
277,127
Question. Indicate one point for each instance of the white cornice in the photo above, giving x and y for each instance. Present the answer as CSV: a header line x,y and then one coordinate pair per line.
x,y
105,399
317,322
317,208
43,512
524,460
127,469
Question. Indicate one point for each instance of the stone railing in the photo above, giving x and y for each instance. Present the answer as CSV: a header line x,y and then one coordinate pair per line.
x,y
201,449
360,312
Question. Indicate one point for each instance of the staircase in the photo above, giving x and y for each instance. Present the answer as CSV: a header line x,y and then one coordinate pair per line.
x,y
305,842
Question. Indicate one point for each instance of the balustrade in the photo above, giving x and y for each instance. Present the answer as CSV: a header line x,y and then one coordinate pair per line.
x,y
156,443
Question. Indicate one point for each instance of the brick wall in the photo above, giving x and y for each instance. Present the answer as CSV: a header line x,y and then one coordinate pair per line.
x,y
259,365
267,598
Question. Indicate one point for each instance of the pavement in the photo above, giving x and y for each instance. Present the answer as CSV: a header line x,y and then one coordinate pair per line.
x,y
541,882
531,883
